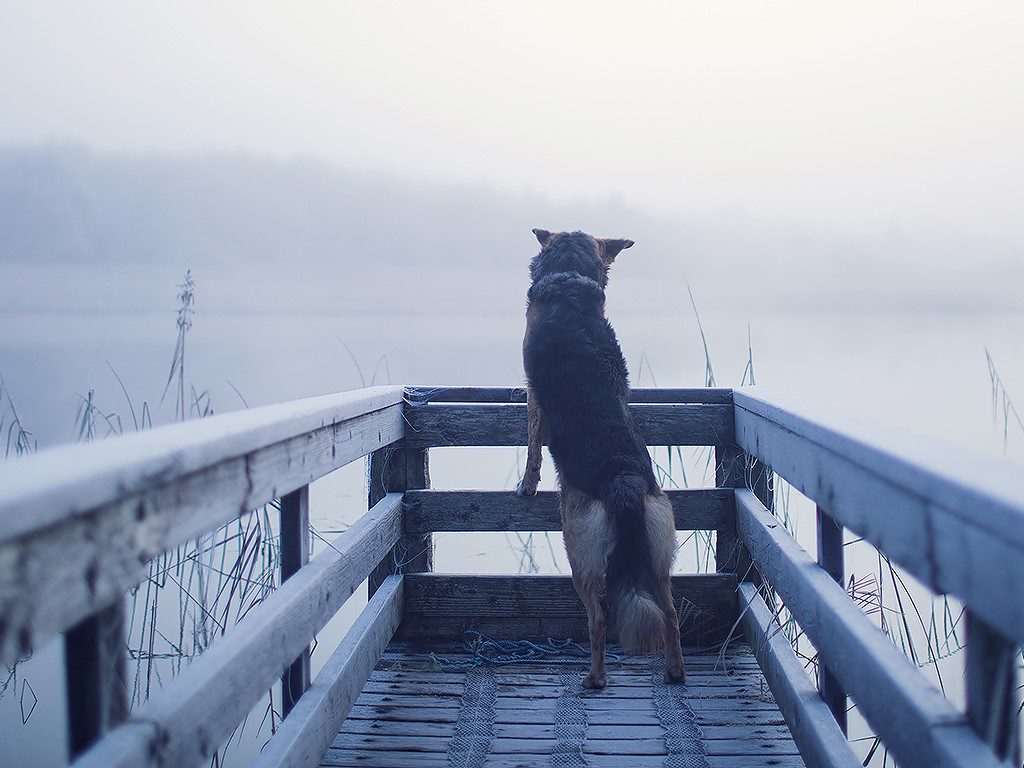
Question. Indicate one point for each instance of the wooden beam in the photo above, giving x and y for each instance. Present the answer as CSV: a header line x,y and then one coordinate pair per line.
x,y
832,560
810,720
95,667
430,510
189,718
993,696
943,514
914,720
441,606
420,395
294,555
399,468
730,464
60,483
451,424
304,736
51,579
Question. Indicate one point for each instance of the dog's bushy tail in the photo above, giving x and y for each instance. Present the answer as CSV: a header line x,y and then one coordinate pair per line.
x,y
631,581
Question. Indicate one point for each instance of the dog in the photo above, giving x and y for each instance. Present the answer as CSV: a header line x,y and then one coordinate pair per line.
x,y
618,524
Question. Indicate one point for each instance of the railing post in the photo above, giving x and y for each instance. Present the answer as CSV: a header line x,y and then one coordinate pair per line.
x,y
992,696
397,468
95,664
734,468
830,558
729,553
294,555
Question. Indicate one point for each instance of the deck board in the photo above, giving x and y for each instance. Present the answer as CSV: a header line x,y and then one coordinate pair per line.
x,y
407,714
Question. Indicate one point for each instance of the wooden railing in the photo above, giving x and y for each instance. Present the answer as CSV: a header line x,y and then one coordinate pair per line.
x,y
78,527
953,521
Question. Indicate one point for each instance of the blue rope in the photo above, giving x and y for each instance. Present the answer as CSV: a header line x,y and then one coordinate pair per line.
x,y
484,650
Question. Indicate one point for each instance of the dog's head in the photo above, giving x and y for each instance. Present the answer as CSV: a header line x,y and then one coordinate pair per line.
x,y
575,252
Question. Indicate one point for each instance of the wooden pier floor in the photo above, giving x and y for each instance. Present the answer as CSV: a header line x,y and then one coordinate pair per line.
x,y
411,714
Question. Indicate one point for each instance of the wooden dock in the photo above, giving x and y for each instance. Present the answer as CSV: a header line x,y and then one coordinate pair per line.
x,y
79,526
410,715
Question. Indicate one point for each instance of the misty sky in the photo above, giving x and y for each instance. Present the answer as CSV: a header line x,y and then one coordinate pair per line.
x,y
855,115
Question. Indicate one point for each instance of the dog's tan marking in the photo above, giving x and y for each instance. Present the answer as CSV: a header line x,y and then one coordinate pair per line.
x,y
610,247
661,533
588,542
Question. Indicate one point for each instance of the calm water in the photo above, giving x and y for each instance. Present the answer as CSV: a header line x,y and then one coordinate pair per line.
x,y
925,372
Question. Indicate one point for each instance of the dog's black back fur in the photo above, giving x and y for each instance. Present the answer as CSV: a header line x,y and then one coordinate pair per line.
x,y
578,375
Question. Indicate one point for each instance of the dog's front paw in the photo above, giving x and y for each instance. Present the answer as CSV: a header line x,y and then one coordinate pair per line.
x,y
528,485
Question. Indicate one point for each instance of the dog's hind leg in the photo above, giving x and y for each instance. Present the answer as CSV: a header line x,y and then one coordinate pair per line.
x,y
590,594
588,541
534,456
661,533
675,672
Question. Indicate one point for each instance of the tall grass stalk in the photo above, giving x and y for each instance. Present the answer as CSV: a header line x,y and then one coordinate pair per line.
x,y
18,441
176,376
1004,413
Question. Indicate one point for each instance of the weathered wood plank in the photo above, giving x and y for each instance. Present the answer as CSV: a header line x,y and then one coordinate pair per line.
x,y
52,578
943,514
451,424
703,667
400,468
723,689
915,721
730,557
294,554
695,676
59,483
547,730
695,510
360,758
754,718
304,735
444,606
420,395
993,695
814,729
189,718
592,745
832,559
439,594
95,665
610,703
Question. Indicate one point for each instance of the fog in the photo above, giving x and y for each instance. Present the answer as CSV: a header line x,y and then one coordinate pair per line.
x,y
829,195
860,116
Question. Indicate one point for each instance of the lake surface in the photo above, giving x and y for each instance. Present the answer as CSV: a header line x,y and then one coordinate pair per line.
x,y
924,372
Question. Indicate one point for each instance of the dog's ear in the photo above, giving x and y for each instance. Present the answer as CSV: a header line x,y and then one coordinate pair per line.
x,y
543,236
610,248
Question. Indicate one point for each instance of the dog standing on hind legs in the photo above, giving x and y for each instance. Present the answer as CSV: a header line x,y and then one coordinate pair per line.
x,y
618,524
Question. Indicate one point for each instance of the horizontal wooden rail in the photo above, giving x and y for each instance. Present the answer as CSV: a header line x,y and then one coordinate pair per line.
x,y
420,395
485,424
703,509
953,520
304,736
814,729
59,483
914,720
439,607
188,719
79,525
